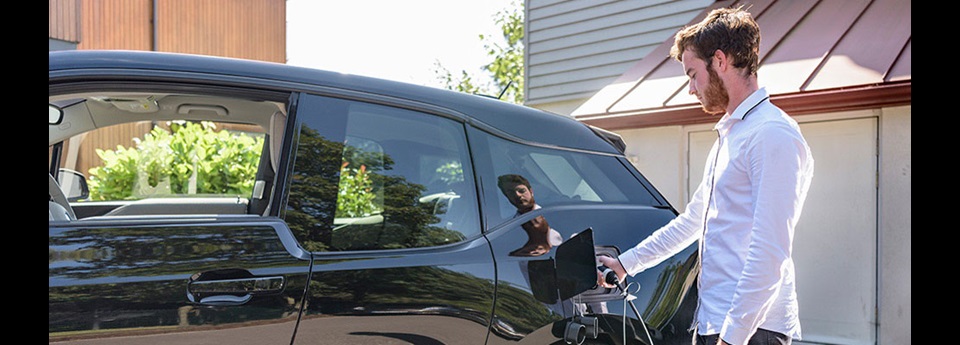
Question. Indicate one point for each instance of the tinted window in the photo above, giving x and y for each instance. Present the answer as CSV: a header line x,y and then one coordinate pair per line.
x,y
369,176
556,176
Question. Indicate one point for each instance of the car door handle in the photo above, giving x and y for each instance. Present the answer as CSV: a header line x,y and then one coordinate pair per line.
x,y
225,300
230,287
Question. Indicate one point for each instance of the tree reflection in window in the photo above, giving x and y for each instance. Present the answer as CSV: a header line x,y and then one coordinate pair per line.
x,y
330,208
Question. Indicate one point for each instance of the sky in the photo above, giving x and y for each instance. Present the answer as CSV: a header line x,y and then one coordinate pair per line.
x,y
392,39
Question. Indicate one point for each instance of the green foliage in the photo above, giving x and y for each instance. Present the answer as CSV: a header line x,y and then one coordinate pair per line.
x,y
450,172
356,197
506,69
463,84
507,65
115,178
190,158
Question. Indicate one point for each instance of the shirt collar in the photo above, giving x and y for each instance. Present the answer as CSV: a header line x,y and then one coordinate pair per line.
x,y
748,104
744,108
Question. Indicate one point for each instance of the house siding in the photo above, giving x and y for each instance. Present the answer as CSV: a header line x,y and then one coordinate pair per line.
x,y
63,21
246,29
241,29
116,24
575,48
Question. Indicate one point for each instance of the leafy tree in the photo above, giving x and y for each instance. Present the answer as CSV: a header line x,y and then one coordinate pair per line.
x,y
506,69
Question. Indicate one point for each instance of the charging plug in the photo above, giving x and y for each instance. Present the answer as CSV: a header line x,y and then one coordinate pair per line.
x,y
610,277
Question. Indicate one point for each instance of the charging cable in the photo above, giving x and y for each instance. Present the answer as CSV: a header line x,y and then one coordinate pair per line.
x,y
610,277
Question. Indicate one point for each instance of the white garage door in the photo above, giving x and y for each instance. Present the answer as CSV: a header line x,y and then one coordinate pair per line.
x,y
836,239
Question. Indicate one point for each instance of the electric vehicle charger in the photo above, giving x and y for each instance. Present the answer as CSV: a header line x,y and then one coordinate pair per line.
x,y
610,277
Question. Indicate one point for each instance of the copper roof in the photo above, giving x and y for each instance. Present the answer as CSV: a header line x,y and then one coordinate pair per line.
x,y
815,57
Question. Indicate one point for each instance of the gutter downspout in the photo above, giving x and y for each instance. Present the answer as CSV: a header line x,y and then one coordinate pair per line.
x,y
153,26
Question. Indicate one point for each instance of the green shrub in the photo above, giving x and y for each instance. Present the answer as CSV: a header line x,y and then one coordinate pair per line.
x,y
190,158
356,197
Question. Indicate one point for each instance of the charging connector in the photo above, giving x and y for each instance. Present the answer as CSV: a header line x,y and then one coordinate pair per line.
x,y
610,277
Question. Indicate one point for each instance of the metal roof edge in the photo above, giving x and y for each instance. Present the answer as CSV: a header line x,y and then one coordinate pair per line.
x,y
797,103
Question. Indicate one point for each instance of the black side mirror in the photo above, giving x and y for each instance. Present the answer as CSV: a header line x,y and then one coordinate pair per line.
x,y
74,185
56,115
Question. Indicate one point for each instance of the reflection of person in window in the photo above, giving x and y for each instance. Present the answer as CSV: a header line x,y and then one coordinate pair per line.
x,y
540,236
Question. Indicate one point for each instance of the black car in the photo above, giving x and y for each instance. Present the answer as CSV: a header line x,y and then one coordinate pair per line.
x,y
208,200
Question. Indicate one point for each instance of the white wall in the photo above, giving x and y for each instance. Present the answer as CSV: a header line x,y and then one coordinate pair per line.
x,y
835,243
895,226
658,154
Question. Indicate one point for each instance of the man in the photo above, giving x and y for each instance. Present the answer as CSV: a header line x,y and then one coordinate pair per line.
x,y
745,209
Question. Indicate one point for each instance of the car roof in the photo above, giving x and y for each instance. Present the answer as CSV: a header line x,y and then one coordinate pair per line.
x,y
521,122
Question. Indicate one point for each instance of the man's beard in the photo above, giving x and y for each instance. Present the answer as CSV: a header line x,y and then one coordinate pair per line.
x,y
525,207
715,97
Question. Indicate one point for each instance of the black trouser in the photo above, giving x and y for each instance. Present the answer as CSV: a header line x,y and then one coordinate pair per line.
x,y
761,337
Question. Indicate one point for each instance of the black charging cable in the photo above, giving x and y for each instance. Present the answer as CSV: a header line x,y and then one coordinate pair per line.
x,y
610,277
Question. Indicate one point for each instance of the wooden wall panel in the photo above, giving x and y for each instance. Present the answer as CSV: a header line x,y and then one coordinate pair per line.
x,y
241,29
116,24
63,22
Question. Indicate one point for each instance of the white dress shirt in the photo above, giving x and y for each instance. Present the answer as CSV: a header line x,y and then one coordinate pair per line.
x,y
743,213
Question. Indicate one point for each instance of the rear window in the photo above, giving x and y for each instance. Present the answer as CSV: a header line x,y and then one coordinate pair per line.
x,y
557,177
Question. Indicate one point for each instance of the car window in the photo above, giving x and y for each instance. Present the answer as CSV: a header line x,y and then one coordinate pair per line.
x,y
152,152
556,176
370,177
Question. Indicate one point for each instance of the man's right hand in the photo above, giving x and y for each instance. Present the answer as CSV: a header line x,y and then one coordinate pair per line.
x,y
614,264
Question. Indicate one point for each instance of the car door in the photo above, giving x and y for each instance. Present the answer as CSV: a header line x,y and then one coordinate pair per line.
x,y
157,263
188,281
383,195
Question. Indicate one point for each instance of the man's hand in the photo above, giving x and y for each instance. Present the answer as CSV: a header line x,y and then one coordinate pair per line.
x,y
613,264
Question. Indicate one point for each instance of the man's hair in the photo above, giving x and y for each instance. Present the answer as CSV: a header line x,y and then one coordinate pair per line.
x,y
511,179
731,30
